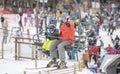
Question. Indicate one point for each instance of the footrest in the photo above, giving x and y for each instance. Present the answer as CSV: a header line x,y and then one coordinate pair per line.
x,y
37,43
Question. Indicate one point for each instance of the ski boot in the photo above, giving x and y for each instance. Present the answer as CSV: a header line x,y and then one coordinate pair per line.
x,y
52,64
62,64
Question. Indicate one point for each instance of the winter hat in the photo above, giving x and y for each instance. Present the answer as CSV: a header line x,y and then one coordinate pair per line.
x,y
64,16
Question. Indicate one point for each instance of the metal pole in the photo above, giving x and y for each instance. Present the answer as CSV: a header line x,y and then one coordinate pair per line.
x,y
37,6
37,3
24,72
36,58
37,17
79,26
2,50
16,48
78,8
74,68
43,5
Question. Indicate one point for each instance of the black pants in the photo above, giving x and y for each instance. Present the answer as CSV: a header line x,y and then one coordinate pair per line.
x,y
94,58
86,63
99,48
113,29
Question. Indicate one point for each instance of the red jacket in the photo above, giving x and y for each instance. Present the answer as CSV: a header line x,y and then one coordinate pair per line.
x,y
95,50
109,48
67,33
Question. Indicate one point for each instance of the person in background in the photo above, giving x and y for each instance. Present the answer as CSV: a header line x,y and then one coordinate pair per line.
x,y
117,39
28,34
86,58
95,51
5,31
109,47
116,42
5,35
58,14
90,53
19,33
19,20
110,26
2,20
111,50
99,44
5,23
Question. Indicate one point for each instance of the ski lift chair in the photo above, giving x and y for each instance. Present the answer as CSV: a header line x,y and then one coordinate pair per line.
x,y
68,49
73,49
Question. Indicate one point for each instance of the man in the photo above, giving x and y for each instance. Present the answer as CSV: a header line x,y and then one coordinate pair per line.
x,y
95,51
5,35
58,47
2,21
116,42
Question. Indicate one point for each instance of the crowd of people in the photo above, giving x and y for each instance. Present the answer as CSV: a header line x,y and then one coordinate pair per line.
x,y
59,38
91,26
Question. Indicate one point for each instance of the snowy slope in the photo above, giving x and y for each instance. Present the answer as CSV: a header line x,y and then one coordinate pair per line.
x,y
9,65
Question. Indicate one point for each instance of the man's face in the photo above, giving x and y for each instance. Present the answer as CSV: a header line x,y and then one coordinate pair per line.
x,y
64,20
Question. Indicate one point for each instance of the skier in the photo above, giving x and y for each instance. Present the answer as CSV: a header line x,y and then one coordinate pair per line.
x,y
111,50
86,58
110,27
5,35
95,51
116,42
5,30
51,35
2,20
19,19
66,38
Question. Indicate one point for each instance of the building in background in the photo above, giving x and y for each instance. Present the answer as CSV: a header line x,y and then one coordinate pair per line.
x,y
22,5
86,5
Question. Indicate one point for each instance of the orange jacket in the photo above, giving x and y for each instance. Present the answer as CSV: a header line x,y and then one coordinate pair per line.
x,y
90,51
86,56
67,33
58,14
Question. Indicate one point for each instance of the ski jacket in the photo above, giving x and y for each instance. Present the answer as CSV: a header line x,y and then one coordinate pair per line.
x,y
58,14
95,50
67,33
109,48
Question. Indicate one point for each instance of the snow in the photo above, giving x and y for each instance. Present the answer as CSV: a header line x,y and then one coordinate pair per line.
x,y
9,65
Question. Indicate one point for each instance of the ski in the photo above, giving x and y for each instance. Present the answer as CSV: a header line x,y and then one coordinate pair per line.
x,y
56,69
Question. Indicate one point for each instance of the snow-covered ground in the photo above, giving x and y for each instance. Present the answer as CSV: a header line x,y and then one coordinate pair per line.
x,y
9,65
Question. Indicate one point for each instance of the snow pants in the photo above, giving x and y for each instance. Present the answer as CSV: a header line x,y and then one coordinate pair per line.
x,y
59,46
